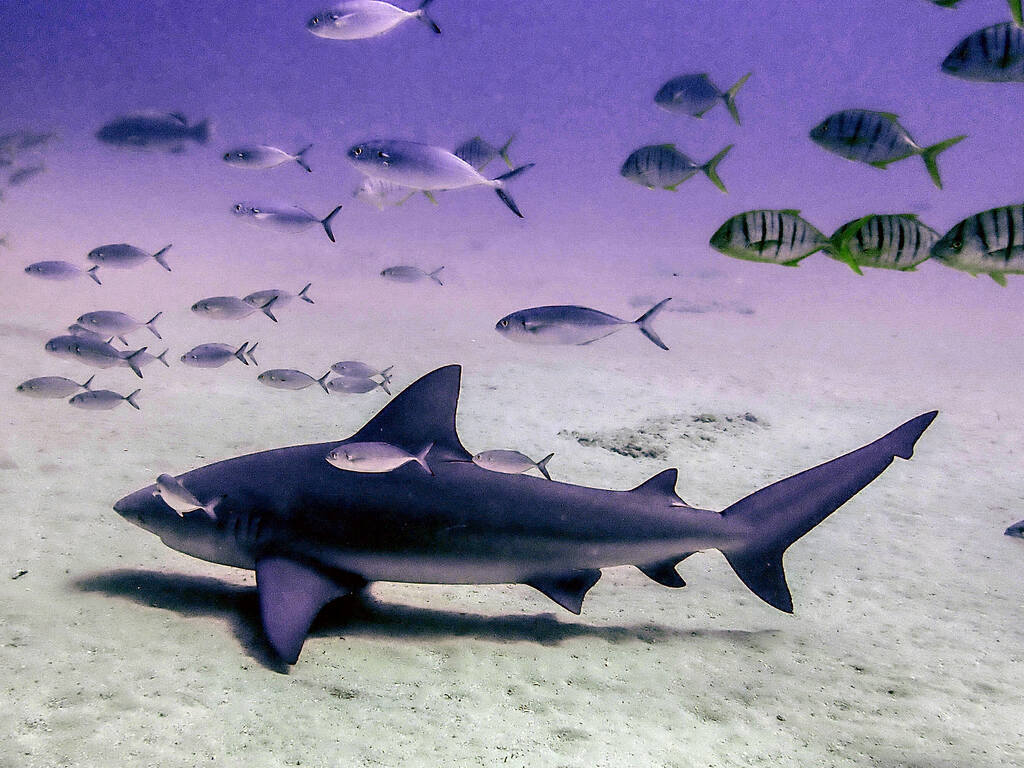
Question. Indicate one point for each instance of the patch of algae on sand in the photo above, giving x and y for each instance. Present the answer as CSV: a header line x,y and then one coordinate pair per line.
x,y
653,437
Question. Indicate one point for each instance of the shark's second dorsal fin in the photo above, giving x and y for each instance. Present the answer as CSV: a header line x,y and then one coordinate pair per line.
x,y
662,485
423,413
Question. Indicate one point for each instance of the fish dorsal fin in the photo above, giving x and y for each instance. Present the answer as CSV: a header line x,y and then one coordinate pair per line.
x,y
791,211
662,485
889,115
423,413
179,117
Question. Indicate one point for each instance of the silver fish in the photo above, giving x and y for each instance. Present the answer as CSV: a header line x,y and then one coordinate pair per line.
x,y
357,369
260,299
261,157
289,219
511,462
231,308
52,387
78,330
892,241
98,354
696,94
124,256
112,323
479,153
572,325
776,237
994,55
876,138
355,385
989,243
662,166
143,358
153,130
375,457
61,270
289,378
407,274
103,400
181,499
216,354
359,19
22,175
426,168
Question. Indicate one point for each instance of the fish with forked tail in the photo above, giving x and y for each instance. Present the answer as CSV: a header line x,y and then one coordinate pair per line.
x,y
572,324
775,237
261,157
360,19
289,219
312,531
61,270
987,243
889,241
124,256
662,166
696,94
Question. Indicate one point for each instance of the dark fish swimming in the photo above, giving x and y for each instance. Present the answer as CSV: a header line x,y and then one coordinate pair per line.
x,y
359,19
888,241
876,138
262,157
695,94
313,531
61,270
994,55
124,256
662,166
573,325
479,153
426,169
285,218
153,130
987,243
776,237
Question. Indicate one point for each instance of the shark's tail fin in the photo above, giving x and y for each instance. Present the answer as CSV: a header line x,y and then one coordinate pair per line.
x,y
781,513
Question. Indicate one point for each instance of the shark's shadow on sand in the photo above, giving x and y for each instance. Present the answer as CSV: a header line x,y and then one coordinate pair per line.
x,y
363,615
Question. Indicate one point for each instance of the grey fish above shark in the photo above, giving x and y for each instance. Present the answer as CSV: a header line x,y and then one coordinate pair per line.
x,y
314,532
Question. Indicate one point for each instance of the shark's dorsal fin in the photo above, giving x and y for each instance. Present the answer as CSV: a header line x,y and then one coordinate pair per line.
x,y
567,590
423,413
662,485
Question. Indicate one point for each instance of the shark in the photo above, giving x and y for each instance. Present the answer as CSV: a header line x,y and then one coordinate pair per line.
x,y
313,532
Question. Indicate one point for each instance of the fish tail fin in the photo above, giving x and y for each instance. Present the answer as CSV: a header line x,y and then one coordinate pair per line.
x,y
385,375
710,168
384,385
304,297
839,244
152,328
779,514
434,275
645,320
250,354
421,14
503,152
130,360
131,400
322,381
240,353
162,357
88,382
301,160
421,458
159,256
91,272
201,132
266,309
326,223
210,507
730,97
499,187
542,465
930,156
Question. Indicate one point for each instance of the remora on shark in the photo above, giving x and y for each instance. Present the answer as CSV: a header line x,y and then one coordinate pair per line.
x,y
314,533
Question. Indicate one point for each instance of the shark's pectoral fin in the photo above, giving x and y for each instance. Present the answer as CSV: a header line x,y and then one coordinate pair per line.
x,y
567,590
665,571
291,595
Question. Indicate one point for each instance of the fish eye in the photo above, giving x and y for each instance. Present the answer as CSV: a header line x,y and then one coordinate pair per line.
x,y
315,20
238,207
357,151
958,244
504,323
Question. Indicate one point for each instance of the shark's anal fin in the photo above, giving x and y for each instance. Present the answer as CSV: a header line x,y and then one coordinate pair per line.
x,y
665,572
567,590
662,487
291,594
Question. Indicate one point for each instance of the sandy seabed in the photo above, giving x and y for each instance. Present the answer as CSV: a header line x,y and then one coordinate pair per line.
x,y
905,648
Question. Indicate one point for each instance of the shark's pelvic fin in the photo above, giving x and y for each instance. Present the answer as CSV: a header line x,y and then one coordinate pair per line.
x,y
291,595
567,590
423,413
665,571
662,485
